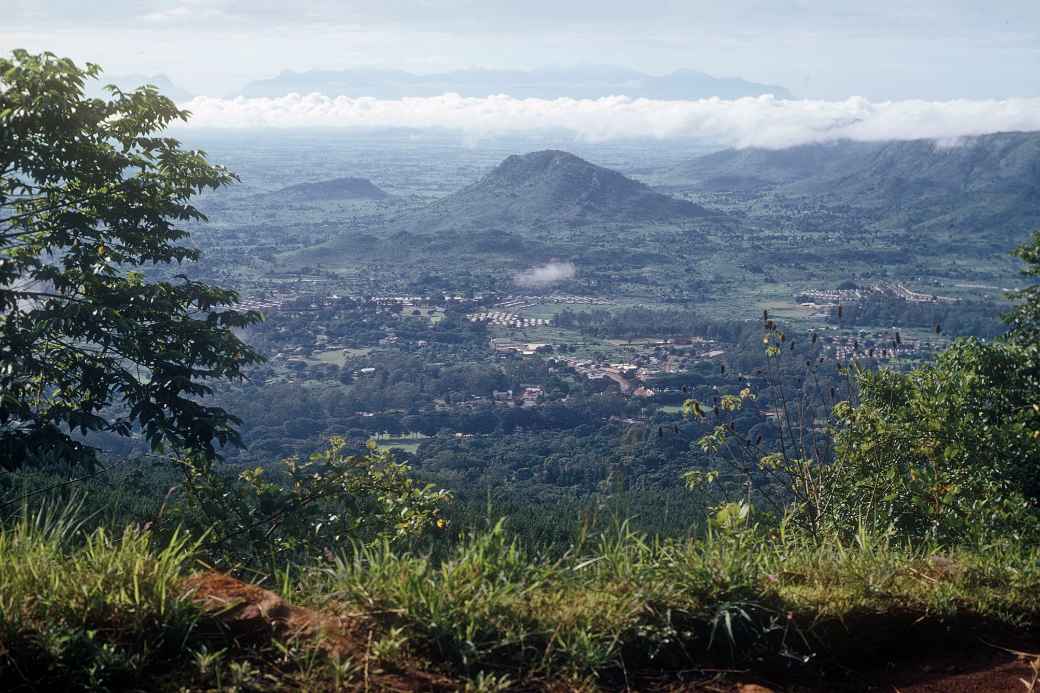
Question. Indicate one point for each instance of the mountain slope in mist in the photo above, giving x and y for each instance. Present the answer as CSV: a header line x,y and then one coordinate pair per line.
x,y
988,183
166,87
347,188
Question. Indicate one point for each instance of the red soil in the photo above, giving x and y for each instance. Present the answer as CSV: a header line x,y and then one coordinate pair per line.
x,y
251,614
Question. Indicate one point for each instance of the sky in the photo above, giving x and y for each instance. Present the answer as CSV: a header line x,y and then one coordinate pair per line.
x,y
828,50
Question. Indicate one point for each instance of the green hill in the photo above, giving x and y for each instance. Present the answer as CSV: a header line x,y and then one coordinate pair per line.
x,y
336,189
538,205
549,186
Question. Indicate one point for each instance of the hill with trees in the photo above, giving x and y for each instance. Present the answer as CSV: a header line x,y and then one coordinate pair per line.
x,y
347,188
553,186
535,206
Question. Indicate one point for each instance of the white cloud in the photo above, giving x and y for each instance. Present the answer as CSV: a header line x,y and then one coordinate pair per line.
x,y
545,275
755,121
191,11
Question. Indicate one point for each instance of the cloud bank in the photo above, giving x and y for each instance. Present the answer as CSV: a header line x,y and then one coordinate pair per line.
x,y
545,275
762,121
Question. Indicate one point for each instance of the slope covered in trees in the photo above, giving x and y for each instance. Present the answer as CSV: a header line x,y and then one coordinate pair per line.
x,y
349,188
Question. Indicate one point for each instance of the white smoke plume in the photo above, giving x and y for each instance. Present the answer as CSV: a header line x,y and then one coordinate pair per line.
x,y
762,121
545,275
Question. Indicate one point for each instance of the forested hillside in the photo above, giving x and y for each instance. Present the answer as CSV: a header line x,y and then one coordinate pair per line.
x,y
987,184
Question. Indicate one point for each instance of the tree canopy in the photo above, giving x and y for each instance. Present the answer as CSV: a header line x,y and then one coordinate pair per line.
x,y
93,199
1024,319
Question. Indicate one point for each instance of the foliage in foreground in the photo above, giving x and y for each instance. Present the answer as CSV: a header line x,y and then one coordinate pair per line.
x,y
93,610
307,508
949,451
88,610
92,201
97,610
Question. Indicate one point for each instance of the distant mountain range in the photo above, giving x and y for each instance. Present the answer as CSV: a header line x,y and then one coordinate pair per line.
x,y
95,88
982,182
578,82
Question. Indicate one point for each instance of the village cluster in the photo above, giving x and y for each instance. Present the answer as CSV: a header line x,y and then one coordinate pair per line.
x,y
875,345
816,298
502,319
630,367
505,313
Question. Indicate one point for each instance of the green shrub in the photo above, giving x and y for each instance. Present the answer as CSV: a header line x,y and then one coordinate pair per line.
x,y
948,451
306,509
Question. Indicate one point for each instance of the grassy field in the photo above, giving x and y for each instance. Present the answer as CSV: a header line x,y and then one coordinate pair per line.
x,y
398,444
547,311
409,442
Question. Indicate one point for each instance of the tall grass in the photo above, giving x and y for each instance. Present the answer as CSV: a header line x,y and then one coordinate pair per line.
x,y
103,610
624,601
88,609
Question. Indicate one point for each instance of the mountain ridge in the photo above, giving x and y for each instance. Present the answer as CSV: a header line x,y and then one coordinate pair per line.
x,y
950,165
985,183
581,83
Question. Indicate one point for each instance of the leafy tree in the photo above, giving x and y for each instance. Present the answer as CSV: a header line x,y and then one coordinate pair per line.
x,y
92,198
1024,319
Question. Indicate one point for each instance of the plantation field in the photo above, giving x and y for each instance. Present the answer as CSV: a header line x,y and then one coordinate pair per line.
x,y
339,357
